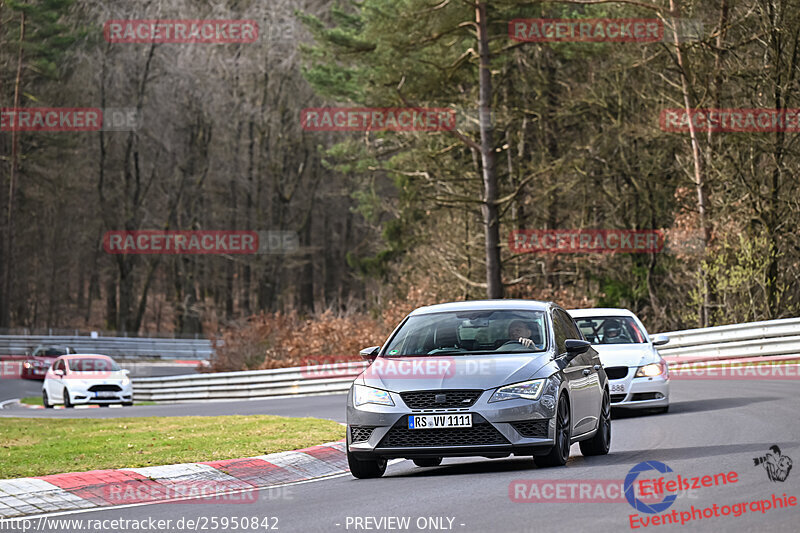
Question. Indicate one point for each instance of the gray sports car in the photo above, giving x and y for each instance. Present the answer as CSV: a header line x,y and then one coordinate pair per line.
x,y
486,378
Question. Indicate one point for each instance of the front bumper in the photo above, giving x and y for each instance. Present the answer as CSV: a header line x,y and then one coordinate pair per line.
x,y
34,372
83,396
639,393
519,427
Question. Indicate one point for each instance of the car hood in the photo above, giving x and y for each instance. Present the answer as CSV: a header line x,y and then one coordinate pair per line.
x,y
626,354
484,372
111,378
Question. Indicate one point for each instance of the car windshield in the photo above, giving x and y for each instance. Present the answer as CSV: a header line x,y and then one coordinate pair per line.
x,y
470,332
51,352
93,364
611,330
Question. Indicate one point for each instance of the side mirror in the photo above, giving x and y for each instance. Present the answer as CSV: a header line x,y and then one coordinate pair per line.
x,y
59,373
660,340
576,347
369,354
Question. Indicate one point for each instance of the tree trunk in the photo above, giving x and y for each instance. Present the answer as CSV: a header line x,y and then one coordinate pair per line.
x,y
696,158
491,222
5,305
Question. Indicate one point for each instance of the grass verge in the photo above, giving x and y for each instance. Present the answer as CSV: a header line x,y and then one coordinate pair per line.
x,y
36,447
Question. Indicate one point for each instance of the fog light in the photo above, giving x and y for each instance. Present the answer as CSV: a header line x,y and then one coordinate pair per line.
x,y
659,396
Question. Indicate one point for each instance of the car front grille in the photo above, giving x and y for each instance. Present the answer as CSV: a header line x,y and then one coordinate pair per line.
x,y
617,372
361,433
616,398
99,388
479,434
449,399
532,428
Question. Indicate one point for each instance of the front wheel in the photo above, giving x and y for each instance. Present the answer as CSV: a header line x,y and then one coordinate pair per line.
x,y
46,401
559,453
67,401
365,469
601,442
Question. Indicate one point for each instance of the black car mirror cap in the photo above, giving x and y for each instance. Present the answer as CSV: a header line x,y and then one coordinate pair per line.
x,y
369,354
576,347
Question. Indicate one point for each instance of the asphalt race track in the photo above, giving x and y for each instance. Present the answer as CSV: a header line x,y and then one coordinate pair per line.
x,y
713,427
22,388
330,407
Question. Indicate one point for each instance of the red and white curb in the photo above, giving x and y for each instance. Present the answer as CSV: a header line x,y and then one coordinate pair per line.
x,y
104,488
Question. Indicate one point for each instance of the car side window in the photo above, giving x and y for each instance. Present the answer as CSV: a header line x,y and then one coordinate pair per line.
x,y
559,332
572,330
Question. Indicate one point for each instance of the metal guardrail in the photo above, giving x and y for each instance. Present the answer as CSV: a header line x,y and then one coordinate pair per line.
x,y
775,337
117,347
295,381
753,339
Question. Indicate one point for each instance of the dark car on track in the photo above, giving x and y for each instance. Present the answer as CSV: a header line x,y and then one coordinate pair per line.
x,y
39,360
486,378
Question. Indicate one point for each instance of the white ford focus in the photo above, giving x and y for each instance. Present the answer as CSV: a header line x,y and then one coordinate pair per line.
x,y
637,375
86,379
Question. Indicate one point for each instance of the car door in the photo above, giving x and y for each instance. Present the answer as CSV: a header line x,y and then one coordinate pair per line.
x,y
572,372
591,391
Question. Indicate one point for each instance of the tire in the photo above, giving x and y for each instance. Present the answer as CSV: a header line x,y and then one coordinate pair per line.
x,y
601,442
67,402
428,462
366,469
559,453
46,401
127,404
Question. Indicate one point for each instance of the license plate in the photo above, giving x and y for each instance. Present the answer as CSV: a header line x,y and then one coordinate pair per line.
x,y
439,421
619,387
105,394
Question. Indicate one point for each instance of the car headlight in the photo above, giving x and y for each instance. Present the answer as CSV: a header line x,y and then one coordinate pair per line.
x,y
363,395
26,364
126,381
529,390
652,370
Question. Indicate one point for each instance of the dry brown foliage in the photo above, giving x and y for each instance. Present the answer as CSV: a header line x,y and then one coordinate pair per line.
x,y
279,340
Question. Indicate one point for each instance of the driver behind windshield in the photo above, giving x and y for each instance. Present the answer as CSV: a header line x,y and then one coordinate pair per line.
x,y
520,332
613,333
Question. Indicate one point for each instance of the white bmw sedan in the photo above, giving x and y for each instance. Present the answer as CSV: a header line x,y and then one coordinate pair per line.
x,y
637,375
86,379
